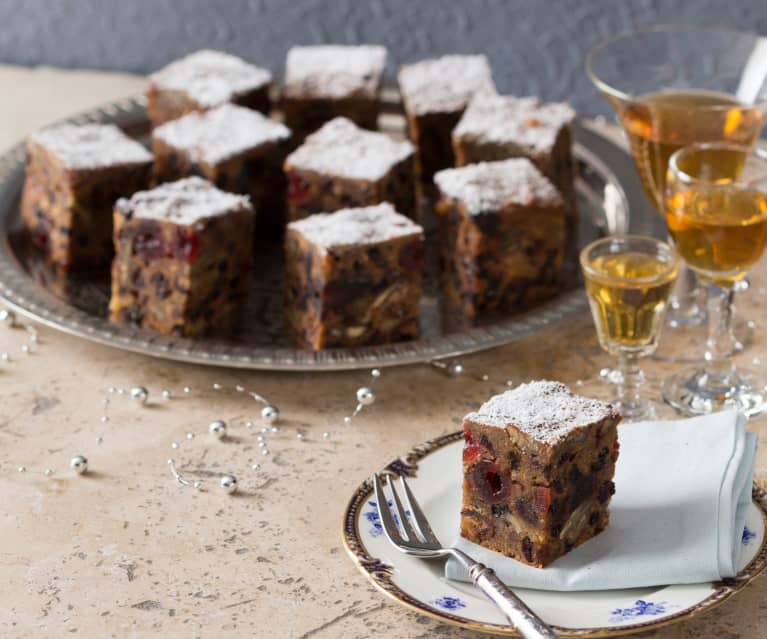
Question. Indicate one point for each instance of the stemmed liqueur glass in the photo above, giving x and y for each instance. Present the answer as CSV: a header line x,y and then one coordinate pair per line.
x,y
628,281
716,209
672,86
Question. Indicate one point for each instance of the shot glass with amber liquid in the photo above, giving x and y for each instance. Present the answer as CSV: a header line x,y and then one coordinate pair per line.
x,y
628,282
716,210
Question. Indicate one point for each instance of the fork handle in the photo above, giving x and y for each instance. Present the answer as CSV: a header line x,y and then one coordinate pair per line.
x,y
530,625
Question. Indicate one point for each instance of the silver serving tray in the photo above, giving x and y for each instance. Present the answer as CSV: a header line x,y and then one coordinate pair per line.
x,y
77,306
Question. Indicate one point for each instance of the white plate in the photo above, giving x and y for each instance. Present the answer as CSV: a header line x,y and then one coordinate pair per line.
x,y
422,585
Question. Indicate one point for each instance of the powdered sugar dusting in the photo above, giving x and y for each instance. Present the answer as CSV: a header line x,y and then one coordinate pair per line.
x,y
489,186
220,133
505,119
341,148
210,77
444,84
91,146
547,411
364,225
334,71
183,202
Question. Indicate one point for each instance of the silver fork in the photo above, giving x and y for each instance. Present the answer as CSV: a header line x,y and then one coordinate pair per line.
x,y
420,541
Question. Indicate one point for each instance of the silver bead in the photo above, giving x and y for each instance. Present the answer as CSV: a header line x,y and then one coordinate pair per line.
x,y
22,469
249,424
365,396
299,435
326,435
99,440
376,372
264,451
48,472
262,444
229,484
186,390
104,419
174,445
165,393
270,413
197,485
25,348
347,420
7,317
216,386
190,435
140,394
5,357
111,389
255,466
79,464
455,368
217,428
509,383
264,430
485,378
275,429
239,388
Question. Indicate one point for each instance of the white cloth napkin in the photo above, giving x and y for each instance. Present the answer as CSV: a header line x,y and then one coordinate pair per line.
x,y
682,491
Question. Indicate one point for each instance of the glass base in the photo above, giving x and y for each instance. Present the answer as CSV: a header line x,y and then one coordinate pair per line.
x,y
637,411
692,391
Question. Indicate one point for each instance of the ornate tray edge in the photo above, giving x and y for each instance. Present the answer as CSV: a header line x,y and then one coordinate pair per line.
x,y
380,573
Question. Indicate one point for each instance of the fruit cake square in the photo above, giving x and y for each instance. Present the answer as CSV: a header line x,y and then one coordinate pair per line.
x,y
435,93
74,176
203,80
237,149
342,166
183,257
353,278
538,466
324,82
499,127
501,237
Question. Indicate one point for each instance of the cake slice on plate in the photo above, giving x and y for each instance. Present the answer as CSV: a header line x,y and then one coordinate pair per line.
x,y
538,466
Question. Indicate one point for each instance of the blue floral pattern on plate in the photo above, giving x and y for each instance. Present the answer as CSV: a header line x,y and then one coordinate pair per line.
x,y
641,608
449,603
371,516
748,536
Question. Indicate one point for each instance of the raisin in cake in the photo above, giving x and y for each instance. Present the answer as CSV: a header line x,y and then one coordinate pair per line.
x,y
435,93
204,80
342,166
501,236
74,176
324,82
538,466
353,278
237,149
183,254
498,127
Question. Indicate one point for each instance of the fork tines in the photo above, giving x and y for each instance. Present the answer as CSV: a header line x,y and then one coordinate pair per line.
x,y
413,531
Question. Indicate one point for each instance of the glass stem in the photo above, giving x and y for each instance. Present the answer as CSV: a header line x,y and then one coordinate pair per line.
x,y
628,383
719,343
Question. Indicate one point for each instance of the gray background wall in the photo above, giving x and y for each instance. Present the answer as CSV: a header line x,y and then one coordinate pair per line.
x,y
535,46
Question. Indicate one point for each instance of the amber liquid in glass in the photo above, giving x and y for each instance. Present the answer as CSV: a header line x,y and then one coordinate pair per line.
x,y
720,233
657,124
628,293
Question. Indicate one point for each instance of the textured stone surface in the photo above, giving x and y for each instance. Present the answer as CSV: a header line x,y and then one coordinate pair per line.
x,y
125,552
535,47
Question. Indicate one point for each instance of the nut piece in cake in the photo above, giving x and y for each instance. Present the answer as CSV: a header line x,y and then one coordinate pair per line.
x,y
538,466
435,93
74,176
502,237
499,127
182,258
204,80
323,82
237,149
353,278
341,166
